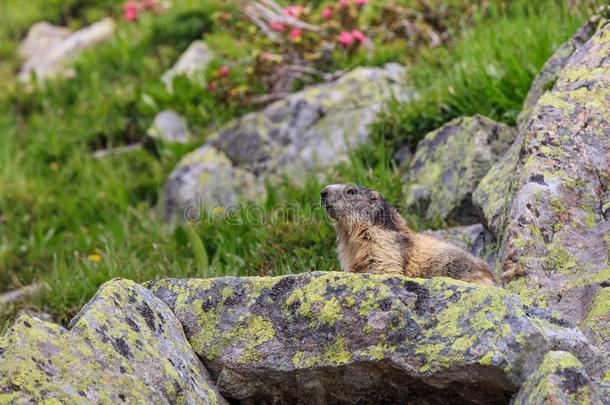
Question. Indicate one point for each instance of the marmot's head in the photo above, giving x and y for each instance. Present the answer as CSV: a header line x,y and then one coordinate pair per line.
x,y
351,205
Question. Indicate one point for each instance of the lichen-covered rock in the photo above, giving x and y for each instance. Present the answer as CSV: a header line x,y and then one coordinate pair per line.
x,y
546,78
597,320
560,379
125,346
358,338
449,163
548,200
192,63
475,239
207,180
306,131
47,48
170,127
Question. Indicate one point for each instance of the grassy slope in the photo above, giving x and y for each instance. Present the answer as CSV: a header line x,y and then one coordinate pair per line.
x,y
60,208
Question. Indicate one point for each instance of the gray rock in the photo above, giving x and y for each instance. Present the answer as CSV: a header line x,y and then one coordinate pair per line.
x,y
448,165
42,37
403,155
360,338
548,200
475,238
560,379
547,77
206,181
48,48
170,127
192,63
306,131
125,346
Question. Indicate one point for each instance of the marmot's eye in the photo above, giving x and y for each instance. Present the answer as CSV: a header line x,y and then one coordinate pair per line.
x,y
352,191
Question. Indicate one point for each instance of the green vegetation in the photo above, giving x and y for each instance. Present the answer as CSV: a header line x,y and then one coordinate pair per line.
x,y
71,221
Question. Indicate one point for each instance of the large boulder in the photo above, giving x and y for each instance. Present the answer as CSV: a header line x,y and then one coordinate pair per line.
x,y
560,379
448,165
360,338
548,199
47,48
125,346
306,131
192,63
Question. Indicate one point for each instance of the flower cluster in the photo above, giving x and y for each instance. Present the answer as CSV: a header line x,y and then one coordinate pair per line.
x,y
298,44
133,9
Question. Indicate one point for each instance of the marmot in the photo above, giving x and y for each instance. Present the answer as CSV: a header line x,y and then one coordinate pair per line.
x,y
373,238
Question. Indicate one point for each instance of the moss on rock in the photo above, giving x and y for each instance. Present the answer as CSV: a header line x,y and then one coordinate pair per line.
x,y
124,346
440,332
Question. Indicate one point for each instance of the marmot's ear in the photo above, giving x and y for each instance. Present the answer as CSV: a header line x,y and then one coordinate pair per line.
x,y
374,196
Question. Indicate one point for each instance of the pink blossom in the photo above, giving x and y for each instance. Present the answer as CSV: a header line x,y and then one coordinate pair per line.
x,y
277,26
294,11
344,2
327,13
358,36
361,2
131,10
267,56
212,86
295,34
223,71
346,38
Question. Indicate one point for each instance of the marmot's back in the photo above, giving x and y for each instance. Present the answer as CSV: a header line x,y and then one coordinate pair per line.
x,y
373,238
439,258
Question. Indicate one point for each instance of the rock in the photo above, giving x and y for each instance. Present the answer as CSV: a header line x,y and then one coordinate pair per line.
x,y
475,239
42,37
548,200
403,155
306,131
547,77
560,379
47,48
449,163
125,346
597,320
359,338
191,63
206,181
170,127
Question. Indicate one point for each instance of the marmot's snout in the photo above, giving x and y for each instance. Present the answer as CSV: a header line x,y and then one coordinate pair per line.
x,y
334,196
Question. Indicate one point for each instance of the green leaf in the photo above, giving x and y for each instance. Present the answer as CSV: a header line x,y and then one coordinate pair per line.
x,y
201,255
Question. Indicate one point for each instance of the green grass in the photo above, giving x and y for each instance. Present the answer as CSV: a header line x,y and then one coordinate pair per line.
x,y
73,222
487,71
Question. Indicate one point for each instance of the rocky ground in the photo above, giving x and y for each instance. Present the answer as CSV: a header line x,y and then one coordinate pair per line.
x,y
533,200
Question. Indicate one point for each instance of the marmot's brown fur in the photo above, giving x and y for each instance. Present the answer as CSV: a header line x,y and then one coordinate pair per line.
x,y
374,238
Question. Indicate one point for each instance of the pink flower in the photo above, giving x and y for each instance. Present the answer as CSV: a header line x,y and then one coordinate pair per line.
x,y
346,38
361,2
358,36
131,10
327,13
212,86
344,3
267,56
277,26
295,34
223,71
294,11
